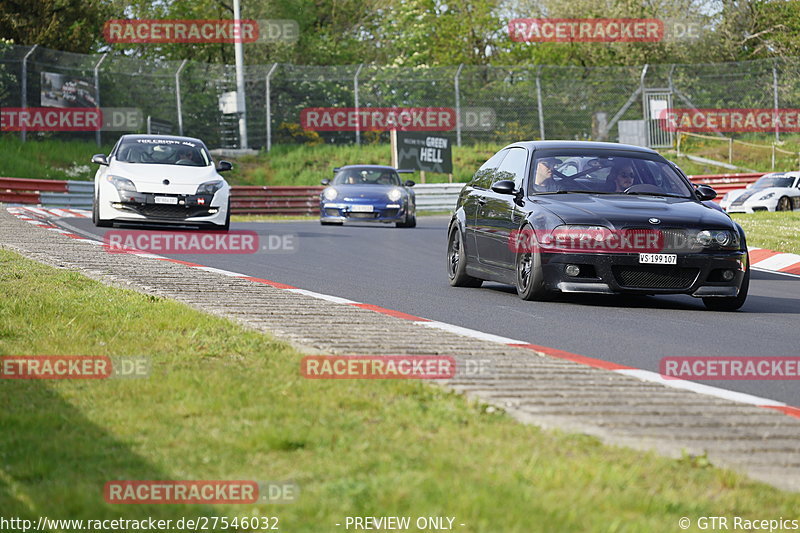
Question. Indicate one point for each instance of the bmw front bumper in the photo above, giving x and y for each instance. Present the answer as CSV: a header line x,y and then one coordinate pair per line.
x,y
699,274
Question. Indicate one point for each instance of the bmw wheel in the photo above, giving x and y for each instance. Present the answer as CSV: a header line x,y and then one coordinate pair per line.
x,y
731,303
457,262
529,277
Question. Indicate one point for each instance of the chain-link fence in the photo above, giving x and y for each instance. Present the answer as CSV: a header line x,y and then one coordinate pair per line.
x,y
491,104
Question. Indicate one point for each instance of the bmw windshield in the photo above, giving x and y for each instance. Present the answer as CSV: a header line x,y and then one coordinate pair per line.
x,y
604,174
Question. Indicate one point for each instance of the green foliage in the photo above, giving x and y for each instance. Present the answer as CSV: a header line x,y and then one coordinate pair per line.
x,y
294,133
68,25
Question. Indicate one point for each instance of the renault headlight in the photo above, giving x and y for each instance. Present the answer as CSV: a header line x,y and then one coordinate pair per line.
x,y
395,194
209,187
330,193
121,184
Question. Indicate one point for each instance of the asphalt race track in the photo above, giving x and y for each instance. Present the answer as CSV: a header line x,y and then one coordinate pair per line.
x,y
404,270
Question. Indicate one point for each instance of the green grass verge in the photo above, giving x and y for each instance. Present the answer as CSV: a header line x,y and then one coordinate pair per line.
x,y
48,159
774,231
223,402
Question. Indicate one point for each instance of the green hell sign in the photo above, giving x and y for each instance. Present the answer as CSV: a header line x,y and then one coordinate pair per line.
x,y
426,152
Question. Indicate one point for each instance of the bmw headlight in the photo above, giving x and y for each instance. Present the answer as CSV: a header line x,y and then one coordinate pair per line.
x,y
718,239
330,193
122,184
209,187
767,196
395,194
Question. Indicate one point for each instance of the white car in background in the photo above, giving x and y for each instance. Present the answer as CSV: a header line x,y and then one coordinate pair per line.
x,y
777,191
160,179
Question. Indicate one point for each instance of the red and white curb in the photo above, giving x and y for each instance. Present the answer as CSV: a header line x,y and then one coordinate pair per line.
x,y
644,375
771,261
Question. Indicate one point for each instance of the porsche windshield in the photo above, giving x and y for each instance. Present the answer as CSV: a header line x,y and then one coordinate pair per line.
x,y
366,176
606,175
773,181
163,152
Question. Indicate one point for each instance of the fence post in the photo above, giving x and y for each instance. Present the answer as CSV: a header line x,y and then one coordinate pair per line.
x,y
773,156
539,102
355,91
644,104
267,96
24,133
178,96
97,93
775,101
730,150
458,105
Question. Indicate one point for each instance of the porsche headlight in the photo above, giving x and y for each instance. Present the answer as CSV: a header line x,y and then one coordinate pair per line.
x,y
209,187
122,184
767,196
395,194
330,193
718,239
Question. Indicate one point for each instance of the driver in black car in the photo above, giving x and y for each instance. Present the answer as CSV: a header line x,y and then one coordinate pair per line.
x,y
620,178
543,181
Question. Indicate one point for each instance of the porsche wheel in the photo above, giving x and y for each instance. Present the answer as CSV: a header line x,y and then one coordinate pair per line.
x,y
784,204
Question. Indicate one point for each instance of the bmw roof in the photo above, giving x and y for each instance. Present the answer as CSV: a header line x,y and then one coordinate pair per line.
x,y
586,145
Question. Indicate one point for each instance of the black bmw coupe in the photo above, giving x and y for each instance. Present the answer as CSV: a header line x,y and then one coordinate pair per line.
x,y
571,216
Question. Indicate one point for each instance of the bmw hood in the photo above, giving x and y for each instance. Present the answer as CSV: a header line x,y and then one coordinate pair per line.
x,y
617,211
150,177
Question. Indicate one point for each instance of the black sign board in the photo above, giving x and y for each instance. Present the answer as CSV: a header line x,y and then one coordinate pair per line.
x,y
424,151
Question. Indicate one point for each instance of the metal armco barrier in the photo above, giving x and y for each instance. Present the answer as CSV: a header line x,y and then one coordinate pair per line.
x,y
257,200
268,200
725,183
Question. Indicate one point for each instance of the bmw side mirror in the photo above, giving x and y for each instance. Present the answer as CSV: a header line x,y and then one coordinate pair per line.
x,y
504,187
224,165
326,182
704,192
409,183
100,159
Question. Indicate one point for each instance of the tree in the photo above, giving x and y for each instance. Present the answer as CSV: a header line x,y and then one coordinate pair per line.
x,y
68,25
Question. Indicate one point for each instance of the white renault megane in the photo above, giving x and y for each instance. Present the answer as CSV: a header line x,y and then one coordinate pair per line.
x,y
160,179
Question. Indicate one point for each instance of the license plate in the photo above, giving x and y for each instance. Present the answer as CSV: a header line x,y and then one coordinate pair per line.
x,y
165,200
659,259
361,209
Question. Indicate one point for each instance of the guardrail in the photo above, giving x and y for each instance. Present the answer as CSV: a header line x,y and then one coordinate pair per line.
x,y
255,200
268,200
725,183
